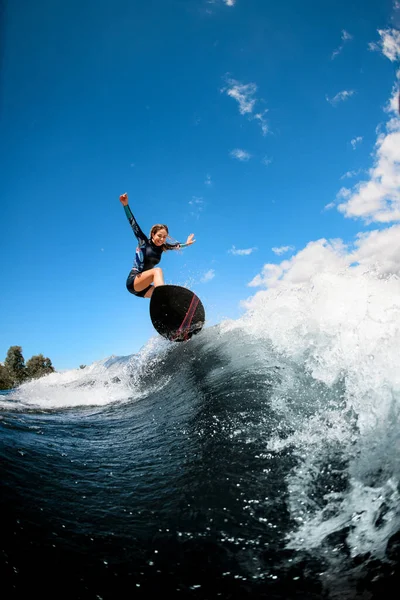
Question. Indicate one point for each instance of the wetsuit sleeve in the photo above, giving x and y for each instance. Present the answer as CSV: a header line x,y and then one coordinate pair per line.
x,y
135,227
178,246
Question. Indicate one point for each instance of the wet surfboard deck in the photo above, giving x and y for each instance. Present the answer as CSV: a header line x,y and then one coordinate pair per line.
x,y
176,312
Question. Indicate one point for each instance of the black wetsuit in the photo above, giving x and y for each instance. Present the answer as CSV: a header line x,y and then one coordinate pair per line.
x,y
147,256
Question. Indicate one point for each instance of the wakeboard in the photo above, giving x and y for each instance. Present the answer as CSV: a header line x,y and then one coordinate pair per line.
x,y
176,312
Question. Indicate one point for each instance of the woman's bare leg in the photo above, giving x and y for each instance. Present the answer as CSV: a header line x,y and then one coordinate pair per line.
x,y
152,276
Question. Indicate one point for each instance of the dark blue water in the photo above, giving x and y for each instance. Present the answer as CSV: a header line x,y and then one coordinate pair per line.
x,y
207,470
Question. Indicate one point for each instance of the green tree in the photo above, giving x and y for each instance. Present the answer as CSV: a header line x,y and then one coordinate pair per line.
x,y
37,366
5,379
15,364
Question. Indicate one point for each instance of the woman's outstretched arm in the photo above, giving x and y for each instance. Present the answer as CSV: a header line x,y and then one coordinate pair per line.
x,y
132,221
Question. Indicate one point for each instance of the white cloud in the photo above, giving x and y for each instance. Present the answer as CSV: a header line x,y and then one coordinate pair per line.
x,y
373,46
315,257
282,249
238,252
343,193
260,117
340,97
389,44
244,94
226,2
378,198
345,38
266,161
376,251
355,141
350,174
241,155
208,276
208,180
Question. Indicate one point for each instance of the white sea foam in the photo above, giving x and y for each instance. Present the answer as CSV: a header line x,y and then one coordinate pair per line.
x,y
341,324
115,379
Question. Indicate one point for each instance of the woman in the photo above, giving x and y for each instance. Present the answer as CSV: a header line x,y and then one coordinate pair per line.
x,y
145,276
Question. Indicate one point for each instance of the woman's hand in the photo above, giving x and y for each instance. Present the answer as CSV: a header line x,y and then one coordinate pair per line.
x,y
190,240
124,199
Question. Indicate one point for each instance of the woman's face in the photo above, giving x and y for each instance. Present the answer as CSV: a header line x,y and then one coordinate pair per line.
x,y
160,237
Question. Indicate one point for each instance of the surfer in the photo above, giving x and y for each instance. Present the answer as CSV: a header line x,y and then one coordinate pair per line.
x,y
144,275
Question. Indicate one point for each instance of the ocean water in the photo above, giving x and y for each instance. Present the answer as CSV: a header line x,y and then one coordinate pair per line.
x,y
261,459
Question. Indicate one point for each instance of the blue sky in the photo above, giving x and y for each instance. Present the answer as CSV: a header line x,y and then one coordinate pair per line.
x,y
241,121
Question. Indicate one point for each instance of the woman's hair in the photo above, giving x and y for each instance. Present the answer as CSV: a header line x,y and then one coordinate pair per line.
x,y
171,245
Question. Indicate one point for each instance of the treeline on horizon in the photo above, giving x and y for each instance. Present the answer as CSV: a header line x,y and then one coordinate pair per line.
x,y
14,371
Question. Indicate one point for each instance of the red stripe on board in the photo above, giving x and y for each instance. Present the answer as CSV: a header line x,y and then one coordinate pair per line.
x,y
187,321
